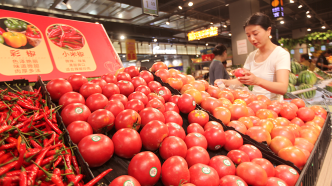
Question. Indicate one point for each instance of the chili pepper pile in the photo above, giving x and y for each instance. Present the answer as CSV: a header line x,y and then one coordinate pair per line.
x,y
32,151
65,37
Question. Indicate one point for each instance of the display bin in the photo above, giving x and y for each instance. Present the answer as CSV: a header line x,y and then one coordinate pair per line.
x,y
25,85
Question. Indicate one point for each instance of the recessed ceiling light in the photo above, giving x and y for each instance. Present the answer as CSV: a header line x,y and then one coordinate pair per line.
x,y
167,22
226,4
190,4
122,37
124,56
300,6
155,55
230,34
211,23
225,26
120,15
291,1
155,40
308,12
282,22
308,16
180,7
323,27
309,29
207,44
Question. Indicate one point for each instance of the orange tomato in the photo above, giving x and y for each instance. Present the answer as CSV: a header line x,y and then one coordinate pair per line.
x,y
186,87
205,95
206,84
225,103
238,111
240,102
198,85
319,121
213,91
227,95
246,121
173,72
294,155
280,121
183,78
266,124
264,114
263,98
176,83
279,143
196,94
259,134
163,74
309,135
223,114
190,78
238,125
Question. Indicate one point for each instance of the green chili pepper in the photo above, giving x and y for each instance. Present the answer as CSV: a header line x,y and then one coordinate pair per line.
x,y
15,25
2,41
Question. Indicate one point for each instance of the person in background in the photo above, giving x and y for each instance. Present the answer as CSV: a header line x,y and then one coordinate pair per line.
x,y
322,62
268,67
307,62
217,69
225,64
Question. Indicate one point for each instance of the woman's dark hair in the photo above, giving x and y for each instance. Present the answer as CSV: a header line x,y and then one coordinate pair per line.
x,y
305,56
260,19
219,50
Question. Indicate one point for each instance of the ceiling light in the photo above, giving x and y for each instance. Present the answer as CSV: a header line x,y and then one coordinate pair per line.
x,y
196,55
167,22
300,6
180,7
230,34
225,26
122,37
120,15
226,4
308,12
282,22
207,44
291,1
211,23
155,55
270,37
124,56
190,4
323,27
309,29
155,40
308,16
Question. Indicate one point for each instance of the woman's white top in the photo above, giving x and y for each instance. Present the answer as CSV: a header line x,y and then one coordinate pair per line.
x,y
277,60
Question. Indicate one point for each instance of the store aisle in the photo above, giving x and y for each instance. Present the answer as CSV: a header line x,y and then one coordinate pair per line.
x,y
324,177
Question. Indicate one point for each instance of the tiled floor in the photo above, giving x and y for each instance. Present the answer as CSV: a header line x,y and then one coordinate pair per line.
x,y
325,176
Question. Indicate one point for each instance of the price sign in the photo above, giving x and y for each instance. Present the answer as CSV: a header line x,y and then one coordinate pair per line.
x,y
150,7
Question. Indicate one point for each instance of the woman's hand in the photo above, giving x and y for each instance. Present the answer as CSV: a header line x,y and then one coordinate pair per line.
x,y
249,78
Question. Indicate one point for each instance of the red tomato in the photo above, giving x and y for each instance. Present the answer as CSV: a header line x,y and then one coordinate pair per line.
x,y
206,84
186,103
124,179
238,111
223,114
292,105
174,99
273,181
213,91
295,129
205,95
138,81
196,155
215,138
298,102
58,87
276,108
303,144
89,88
154,85
257,105
254,120
250,112
210,104
198,116
158,65
305,114
75,112
195,128
96,101
252,173
101,121
93,151
127,119
115,106
146,75
125,87
227,95
163,74
139,96
319,111
252,151
259,134
174,171
170,106
123,76
287,112
182,77
238,156
233,140
319,121
287,173
176,130
279,142
135,104
164,92
280,121
264,114
202,175
109,78
240,72
78,130
76,81
150,114
132,71
173,146
195,139
145,167
110,89
171,116
238,126
294,155
155,103
153,134
144,89
175,83
154,95
264,99
71,97
213,124
127,143
309,135
282,131
99,82
266,165
247,122
223,165
231,180
120,97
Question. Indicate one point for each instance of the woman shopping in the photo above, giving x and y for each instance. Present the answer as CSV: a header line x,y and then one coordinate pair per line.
x,y
217,69
268,67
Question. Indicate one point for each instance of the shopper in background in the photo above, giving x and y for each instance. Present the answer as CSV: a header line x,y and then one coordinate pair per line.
x,y
268,67
322,62
217,69
307,62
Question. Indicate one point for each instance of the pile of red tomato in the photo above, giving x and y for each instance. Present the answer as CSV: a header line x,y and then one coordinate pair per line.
x,y
131,101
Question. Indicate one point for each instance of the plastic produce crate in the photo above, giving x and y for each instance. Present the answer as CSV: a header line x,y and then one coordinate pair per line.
x,y
24,85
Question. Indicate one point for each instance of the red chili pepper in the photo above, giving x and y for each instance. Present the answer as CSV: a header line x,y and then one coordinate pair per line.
x,y
31,152
22,151
23,177
13,180
54,118
49,142
34,171
11,140
77,179
54,177
25,105
19,109
4,157
74,160
8,146
99,177
35,144
2,31
70,177
34,34
68,159
56,129
56,163
7,167
5,128
2,153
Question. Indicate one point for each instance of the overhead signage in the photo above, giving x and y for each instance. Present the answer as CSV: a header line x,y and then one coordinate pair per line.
x,y
277,8
212,31
131,49
150,7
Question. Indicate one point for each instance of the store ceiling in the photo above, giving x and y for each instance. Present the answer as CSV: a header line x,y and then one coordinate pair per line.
x,y
125,16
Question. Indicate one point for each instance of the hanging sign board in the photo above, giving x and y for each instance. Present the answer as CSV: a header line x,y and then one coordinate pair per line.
x,y
242,47
212,31
150,7
131,49
277,7
53,48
